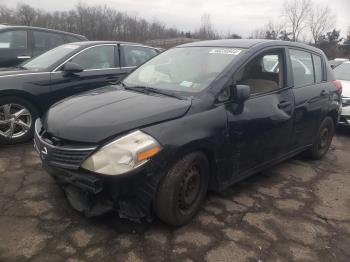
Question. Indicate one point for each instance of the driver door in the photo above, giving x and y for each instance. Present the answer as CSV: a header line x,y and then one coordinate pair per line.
x,y
101,67
260,132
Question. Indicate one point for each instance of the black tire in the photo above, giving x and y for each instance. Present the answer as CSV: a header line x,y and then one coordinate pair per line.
x,y
33,112
323,139
175,205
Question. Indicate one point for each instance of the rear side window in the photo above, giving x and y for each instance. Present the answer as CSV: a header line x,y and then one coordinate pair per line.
x,y
318,68
302,65
13,39
136,55
45,40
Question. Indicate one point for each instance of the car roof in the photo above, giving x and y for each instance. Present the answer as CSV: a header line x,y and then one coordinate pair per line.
x,y
2,26
248,43
91,43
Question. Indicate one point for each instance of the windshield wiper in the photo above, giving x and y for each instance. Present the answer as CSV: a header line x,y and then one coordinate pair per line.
x,y
148,89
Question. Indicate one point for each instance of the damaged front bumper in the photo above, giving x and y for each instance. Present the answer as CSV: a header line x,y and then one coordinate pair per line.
x,y
131,196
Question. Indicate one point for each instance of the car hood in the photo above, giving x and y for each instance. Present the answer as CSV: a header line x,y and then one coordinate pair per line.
x,y
106,112
346,88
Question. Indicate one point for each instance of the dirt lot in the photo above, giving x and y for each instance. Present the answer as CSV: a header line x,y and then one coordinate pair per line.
x,y
297,211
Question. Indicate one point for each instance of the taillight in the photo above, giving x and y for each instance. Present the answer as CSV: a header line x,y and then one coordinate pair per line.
x,y
338,86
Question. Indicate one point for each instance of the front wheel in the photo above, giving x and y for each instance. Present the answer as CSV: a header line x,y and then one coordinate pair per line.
x,y
323,139
17,118
183,190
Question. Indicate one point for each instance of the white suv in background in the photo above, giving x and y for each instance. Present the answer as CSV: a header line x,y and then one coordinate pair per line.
x,y
342,73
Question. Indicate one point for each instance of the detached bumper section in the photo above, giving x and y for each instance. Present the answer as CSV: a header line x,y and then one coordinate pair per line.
x,y
131,195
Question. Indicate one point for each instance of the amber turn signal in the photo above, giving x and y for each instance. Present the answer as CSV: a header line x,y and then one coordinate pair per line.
x,y
147,154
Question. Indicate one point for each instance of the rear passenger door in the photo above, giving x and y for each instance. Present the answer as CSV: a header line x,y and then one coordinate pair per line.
x,y
311,94
14,47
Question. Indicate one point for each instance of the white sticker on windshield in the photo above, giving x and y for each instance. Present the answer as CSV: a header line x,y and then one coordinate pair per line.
x,y
71,46
186,83
226,51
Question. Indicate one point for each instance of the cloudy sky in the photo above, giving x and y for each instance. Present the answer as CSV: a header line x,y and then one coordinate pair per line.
x,y
228,16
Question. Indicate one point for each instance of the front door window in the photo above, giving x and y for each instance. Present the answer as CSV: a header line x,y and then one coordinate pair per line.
x,y
99,57
262,74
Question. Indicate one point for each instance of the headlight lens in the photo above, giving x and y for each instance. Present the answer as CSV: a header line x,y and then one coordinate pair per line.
x,y
122,155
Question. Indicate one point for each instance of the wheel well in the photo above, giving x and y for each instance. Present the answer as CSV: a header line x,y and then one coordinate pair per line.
x,y
334,115
211,161
206,151
24,97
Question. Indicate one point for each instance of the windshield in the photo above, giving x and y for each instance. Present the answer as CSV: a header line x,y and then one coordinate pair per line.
x,y
189,69
342,72
50,57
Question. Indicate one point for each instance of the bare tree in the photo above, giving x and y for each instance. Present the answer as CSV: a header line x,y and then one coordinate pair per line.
x,y
274,30
270,30
321,20
296,12
206,29
26,14
6,15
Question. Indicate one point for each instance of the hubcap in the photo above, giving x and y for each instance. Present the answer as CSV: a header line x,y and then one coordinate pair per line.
x,y
190,187
15,121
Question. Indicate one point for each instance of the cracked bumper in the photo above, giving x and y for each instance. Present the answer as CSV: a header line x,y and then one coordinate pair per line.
x,y
94,195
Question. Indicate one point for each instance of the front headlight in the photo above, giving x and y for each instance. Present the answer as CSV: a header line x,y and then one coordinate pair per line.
x,y
123,154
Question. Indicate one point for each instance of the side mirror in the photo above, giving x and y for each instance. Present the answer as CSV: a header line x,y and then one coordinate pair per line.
x,y
241,94
72,68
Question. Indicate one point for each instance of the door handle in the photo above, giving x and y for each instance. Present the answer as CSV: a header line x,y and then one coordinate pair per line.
x,y
284,104
23,57
324,93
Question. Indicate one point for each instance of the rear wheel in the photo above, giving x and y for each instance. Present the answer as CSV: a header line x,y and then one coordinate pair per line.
x,y
17,118
323,140
182,190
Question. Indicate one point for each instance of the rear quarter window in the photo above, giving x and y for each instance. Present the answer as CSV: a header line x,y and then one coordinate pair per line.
x,y
318,68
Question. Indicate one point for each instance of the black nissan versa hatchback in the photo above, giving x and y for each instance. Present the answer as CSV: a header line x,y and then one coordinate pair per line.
x,y
197,117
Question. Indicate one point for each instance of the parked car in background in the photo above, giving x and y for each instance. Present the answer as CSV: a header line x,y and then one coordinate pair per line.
x,y
27,91
19,43
200,116
338,61
342,73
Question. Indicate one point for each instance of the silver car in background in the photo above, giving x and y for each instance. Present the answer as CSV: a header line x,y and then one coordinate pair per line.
x,y
342,73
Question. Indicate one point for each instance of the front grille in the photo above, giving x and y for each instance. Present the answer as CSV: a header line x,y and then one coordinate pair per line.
x,y
68,158
60,154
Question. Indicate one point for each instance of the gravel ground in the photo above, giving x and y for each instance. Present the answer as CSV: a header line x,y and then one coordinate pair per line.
x,y
296,211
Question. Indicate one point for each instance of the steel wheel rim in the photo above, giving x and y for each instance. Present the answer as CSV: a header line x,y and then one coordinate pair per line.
x,y
324,137
190,187
15,121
